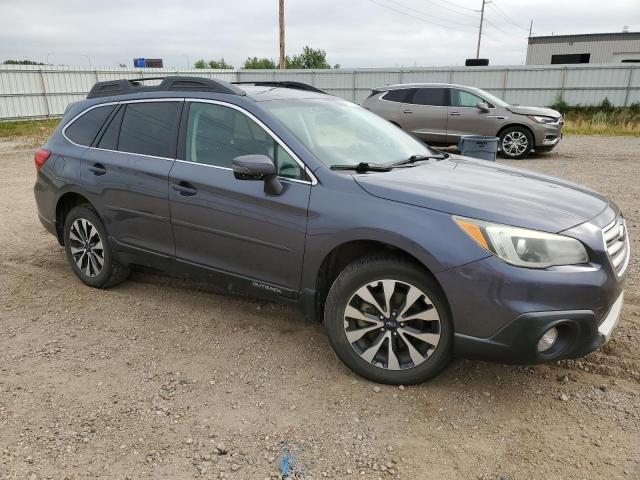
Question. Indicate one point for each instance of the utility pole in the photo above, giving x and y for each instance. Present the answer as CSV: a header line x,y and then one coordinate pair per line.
x,y
530,28
480,31
282,62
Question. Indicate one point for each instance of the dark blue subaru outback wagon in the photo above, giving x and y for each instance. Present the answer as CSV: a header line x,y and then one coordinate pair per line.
x,y
408,255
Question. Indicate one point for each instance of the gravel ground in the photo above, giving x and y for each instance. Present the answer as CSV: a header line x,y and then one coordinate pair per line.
x,y
156,379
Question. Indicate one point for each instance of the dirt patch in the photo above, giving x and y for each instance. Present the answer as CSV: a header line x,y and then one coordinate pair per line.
x,y
154,379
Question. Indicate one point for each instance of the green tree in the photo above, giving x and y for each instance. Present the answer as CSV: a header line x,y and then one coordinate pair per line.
x,y
309,58
22,62
215,64
219,64
259,63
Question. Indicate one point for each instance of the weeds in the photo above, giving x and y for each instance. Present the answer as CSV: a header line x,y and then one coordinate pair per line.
x,y
604,119
37,130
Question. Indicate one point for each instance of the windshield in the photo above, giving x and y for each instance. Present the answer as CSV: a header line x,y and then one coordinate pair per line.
x,y
492,98
342,133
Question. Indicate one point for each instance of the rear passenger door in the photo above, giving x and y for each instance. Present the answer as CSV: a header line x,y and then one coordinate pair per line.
x,y
127,171
229,225
424,114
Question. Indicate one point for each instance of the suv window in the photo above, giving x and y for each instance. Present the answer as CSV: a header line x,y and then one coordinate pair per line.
x,y
150,128
462,98
217,134
109,140
437,97
84,130
396,95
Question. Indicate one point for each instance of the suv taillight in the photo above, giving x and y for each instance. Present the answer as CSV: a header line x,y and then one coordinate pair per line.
x,y
40,157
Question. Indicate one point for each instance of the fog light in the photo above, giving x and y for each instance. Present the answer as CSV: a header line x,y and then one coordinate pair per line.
x,y
548,339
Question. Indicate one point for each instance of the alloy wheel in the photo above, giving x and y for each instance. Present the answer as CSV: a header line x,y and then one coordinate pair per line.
x,y
515,143
392,324
86,247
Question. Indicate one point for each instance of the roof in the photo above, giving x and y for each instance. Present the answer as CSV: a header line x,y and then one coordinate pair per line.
x,y
585,37
419,85
262,93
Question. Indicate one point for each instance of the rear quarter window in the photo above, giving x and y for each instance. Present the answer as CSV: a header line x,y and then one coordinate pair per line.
x,y
85,128
396,95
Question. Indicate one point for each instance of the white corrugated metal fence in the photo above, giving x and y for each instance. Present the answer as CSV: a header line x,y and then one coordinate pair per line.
x,y
44,91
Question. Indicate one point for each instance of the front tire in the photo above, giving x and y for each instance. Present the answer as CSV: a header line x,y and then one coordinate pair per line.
x,y
388,321
88,250
516,143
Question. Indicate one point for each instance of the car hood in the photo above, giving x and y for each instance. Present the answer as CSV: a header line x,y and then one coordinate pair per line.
x,y
488,191
523,110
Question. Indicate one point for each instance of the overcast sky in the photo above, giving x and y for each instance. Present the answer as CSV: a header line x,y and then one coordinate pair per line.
x,y
354,33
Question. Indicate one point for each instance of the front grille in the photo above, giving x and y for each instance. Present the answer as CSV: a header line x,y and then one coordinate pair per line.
x,y
616,242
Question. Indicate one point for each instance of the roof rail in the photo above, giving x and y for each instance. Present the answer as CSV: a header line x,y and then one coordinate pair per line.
x,y
173,83
283,84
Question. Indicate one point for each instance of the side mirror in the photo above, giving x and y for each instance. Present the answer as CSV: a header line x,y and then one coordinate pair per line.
x,y
258,167
483,106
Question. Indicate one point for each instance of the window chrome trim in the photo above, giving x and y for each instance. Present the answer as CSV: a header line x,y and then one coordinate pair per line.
x,y
301,164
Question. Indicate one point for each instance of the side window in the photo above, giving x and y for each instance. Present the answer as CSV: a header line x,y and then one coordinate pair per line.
x,y
436,97
109,140
396,95
217,134
84,130
150,128
462,98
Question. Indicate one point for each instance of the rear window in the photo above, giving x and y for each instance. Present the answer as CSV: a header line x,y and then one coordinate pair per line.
x,y
437,97
84,130
396,95
150,128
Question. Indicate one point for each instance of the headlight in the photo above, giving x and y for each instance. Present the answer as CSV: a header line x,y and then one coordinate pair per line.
x,y
523,247
542,119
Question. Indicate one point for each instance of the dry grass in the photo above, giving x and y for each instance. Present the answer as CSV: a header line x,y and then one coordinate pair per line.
x,y
616,123
34,131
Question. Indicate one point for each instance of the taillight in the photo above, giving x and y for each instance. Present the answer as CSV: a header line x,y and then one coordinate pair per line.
x,y
40,157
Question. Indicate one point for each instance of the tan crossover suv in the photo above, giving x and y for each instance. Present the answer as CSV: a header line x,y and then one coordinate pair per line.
x,y
441,113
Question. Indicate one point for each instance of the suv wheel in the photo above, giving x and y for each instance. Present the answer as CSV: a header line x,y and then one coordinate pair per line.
x,y
88,249
388,321
516,142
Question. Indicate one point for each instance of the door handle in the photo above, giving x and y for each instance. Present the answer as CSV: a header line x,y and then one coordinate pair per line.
x,y
407,111
184,188
98,169
455,113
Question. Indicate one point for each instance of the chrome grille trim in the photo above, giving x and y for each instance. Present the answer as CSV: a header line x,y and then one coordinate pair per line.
x,y
616,243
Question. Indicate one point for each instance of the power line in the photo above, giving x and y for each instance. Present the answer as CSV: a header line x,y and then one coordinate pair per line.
x,y
475,16
458,5
504,15
448,27
426,13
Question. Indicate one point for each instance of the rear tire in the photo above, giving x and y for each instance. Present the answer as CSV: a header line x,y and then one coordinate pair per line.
x,y
406,338
516,143
88,250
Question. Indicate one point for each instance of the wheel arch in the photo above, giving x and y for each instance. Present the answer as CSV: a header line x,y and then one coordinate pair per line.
x,y
65,204
519,125
347,252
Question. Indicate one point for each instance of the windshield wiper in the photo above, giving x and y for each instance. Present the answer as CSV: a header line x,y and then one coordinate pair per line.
x,y
363,167
418,157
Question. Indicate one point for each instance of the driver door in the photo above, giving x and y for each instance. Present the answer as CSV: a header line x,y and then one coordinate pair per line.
x,y
232,226
465,118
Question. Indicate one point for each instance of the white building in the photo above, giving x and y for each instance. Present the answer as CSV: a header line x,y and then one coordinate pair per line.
x,y
585,48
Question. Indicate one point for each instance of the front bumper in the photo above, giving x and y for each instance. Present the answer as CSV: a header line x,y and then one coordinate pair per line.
x,y
500,311
547,136
579,333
